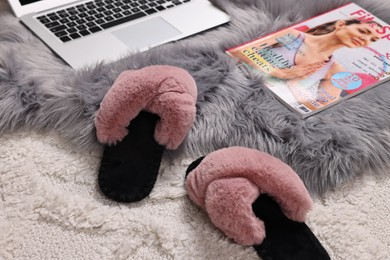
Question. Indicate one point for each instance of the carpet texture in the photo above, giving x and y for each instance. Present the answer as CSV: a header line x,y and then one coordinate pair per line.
x,y
51,208
39,92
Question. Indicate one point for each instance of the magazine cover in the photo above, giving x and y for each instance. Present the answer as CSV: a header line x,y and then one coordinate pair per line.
x,y
321,61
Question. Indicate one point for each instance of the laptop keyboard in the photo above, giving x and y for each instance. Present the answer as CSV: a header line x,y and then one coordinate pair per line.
x,y
90,17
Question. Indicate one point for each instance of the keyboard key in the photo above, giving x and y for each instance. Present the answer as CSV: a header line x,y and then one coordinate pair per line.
x,y
71,30
58,28
54,17
70,9
100,21
61,33
160,8
52,24
74,35
90,18
80,21
71,24
125,7
82,15
95,29
123,20
90,24
108,18
91,6
92,12
65,39
64,20
73,12
44,20
82,10
81,27
84,33
63,15
126,13
150,11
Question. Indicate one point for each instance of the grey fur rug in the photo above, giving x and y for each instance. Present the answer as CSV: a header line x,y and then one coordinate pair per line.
x,y
38,91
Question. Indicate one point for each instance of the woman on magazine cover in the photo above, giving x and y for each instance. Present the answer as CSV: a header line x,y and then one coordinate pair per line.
x,y
308,57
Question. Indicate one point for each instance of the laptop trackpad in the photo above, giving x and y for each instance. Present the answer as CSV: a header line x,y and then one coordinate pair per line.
x,y
147,33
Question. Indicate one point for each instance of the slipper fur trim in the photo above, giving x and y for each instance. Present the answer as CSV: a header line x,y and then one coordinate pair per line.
x,y
269,174
229,205
168,91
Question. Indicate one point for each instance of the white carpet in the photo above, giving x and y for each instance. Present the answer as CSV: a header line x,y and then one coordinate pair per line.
x,y
51,209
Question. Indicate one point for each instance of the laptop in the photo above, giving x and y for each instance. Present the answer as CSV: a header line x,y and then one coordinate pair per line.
x,y
84,32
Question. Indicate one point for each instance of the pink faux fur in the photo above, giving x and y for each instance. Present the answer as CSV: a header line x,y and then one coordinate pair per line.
x,y
229,180
167,91
229,205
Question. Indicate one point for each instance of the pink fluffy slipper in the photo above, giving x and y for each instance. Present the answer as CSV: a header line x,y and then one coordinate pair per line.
x,y
247,194
143,113
167,91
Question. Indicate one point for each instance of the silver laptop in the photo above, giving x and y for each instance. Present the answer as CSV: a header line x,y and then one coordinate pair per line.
x,y
84,32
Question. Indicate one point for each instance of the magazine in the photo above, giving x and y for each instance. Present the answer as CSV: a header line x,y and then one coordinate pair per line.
x,y
322,61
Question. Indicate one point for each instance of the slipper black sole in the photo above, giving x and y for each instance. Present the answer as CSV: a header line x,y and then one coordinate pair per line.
x,y
285,239
129,169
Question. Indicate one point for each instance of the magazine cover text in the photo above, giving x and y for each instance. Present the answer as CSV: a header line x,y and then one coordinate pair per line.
x,y
319,62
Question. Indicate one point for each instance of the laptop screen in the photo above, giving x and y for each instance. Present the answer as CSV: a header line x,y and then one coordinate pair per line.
x,y
22,7
26,2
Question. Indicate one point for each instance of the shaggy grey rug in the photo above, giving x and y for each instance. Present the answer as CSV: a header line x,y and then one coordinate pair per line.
x,y
37,91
